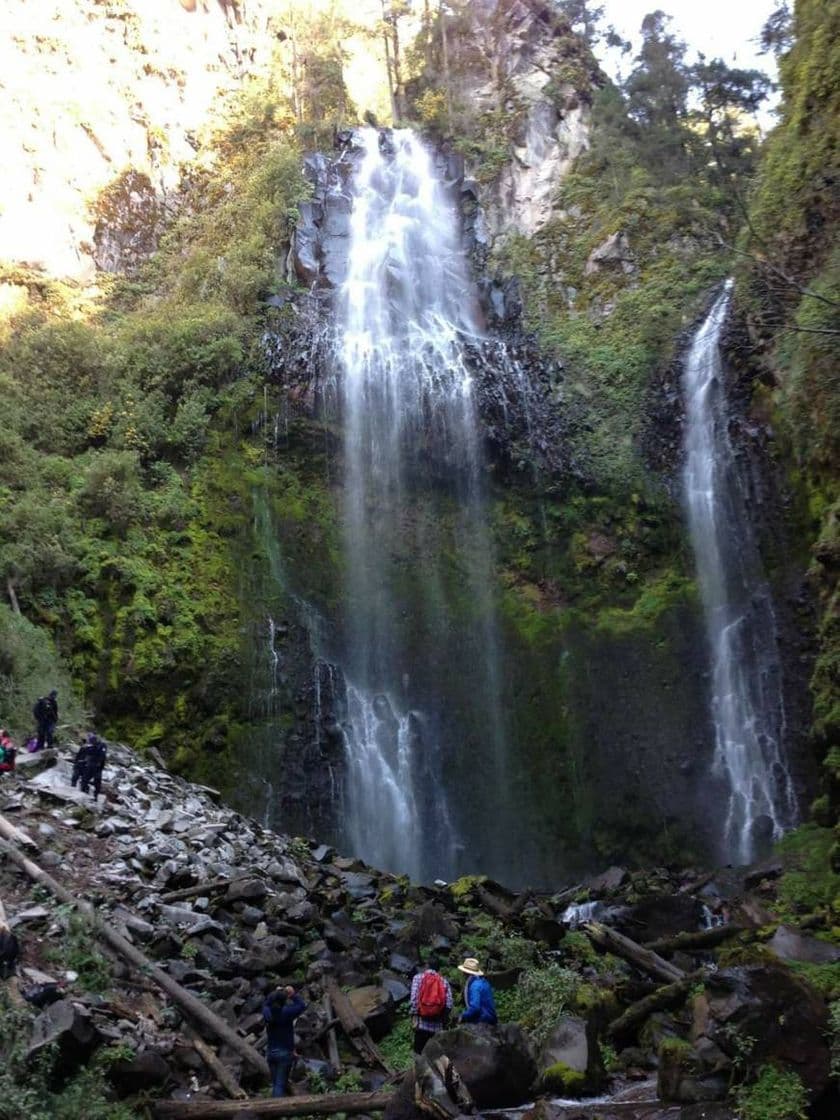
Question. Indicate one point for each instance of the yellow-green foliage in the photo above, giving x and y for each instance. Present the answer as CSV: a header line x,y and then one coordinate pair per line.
x,y
796,176
792,289
776,1094
810,884
124,476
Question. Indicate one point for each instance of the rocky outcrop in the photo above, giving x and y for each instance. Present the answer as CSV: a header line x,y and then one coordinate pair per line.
x,y
229,909
523,63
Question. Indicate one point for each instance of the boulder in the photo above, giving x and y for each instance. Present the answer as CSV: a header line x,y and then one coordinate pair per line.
x,y
570,1061
146,1070
613,253
789,944
433,1088
609,881
67,1026
766,1003
661,916
495,1063
245,890
376,1006
683,1077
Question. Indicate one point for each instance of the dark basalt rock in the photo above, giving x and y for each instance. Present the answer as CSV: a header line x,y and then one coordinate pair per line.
x,y
784,1016
496,1064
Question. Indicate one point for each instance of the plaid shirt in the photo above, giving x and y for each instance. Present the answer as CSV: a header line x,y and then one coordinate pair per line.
x,y
430,1025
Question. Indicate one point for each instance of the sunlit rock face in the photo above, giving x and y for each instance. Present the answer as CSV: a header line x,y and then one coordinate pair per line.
x,y
539,77
91,90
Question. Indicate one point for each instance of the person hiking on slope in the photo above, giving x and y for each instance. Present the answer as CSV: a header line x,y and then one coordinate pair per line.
x,y
94,765
280,1010
478,995
45,711
81,760
431,1002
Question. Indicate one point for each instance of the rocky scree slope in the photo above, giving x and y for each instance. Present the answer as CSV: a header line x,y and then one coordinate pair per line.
x,y
229,909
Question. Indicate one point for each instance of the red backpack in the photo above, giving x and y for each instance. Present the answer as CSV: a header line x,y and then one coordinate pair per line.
x,y
431,997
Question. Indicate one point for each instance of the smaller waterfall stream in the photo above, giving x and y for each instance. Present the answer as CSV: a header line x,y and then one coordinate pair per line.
x,y
747,699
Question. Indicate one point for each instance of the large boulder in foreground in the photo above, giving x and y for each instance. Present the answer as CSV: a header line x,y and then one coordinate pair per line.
x,y
782,1016
570,1061
496,1064
65,1025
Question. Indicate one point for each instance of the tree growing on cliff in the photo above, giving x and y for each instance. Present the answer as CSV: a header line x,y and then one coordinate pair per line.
x,y
657,98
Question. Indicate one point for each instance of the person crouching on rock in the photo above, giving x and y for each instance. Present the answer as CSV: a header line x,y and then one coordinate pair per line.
x,y
8,752
478,995
431,1002
280,1010
81,759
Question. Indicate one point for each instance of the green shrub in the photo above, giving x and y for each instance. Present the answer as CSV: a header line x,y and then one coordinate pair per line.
x,y
776,1094
539,999
29,668
28,1088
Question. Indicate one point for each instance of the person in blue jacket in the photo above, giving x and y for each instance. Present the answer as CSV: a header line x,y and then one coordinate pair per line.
x,y
280,1010
478,995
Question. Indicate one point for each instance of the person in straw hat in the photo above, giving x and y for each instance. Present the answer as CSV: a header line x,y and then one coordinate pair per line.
x,y
478,995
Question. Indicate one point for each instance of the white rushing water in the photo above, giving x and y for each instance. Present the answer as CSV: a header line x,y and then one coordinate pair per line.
x,y
747,701
412,493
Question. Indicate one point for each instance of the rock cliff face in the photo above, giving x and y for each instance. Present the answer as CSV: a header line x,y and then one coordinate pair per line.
x,y
115,91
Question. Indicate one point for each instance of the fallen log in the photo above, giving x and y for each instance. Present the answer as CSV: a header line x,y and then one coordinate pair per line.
x,y
16,835
195,1008
696,939
326,1104
663,999
219,1070
354,1027
199,888
333,1056
614,942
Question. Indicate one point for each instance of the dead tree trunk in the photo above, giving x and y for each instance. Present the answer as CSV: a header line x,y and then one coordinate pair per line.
x,y
325,1105
672,995
218,1069
194,1007
332,1041
354,1027
647,961
695,939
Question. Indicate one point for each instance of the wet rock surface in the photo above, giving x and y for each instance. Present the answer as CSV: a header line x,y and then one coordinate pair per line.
x,y
230,909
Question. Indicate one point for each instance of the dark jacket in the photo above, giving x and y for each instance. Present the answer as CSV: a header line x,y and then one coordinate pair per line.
x,y
46,709
280,1020
9,952
479,1000
97,757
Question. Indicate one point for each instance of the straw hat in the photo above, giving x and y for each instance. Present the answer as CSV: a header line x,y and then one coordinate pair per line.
x,y
470,966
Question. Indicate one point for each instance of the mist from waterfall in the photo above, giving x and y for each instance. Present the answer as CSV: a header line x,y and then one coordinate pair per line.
x,y
413,508
747,699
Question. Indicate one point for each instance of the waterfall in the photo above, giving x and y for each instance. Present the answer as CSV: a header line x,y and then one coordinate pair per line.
x,y
418,553
746,695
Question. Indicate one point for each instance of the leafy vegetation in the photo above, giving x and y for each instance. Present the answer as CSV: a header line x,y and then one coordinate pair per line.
x,y
33,1089
776,1094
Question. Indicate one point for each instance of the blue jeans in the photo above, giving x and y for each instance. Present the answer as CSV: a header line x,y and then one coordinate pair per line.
x,y
280,1064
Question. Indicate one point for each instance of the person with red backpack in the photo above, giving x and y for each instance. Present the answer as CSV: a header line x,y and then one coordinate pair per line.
x,y
431,1002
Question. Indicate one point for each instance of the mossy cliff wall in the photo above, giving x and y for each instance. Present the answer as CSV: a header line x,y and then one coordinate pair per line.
x,y
171,476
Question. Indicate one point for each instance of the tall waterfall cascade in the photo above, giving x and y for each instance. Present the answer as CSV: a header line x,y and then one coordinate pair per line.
x,y
413,509
747,702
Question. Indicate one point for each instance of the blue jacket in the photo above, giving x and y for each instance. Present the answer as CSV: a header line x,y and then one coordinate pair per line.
x,y
280,1021
479,999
